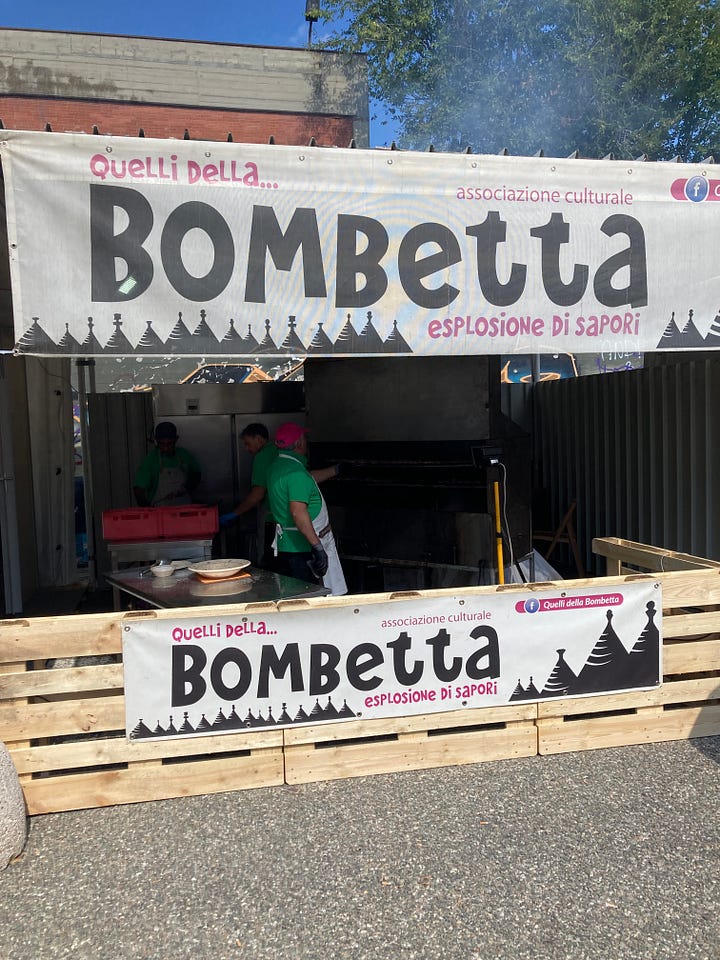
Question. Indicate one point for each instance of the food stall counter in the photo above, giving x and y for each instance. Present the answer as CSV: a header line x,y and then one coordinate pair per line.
x,y
185,589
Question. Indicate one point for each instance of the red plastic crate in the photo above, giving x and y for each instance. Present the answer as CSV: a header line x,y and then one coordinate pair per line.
x,y
142,523
193,520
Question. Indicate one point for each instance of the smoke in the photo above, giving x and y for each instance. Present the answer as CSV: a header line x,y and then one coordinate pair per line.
x,y
559,76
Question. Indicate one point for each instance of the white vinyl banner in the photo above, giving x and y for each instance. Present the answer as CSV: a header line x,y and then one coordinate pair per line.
x,y
200,676
137,246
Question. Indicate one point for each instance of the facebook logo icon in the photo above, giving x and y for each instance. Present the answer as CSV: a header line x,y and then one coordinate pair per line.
x,y
696,189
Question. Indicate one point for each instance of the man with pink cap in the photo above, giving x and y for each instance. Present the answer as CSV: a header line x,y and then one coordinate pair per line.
x,y
304,543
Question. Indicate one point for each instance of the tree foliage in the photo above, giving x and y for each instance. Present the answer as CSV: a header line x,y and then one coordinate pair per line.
x,y
626,77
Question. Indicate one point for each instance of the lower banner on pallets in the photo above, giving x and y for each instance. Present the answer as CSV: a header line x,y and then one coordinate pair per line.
x,y
197,676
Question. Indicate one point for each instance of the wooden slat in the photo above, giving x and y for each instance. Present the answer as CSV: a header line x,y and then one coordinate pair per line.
x,y
61,718
556,736
6,668
45,637
690,624
77,680
305,765
682,691
139,783
691,657
350,729
90,753
694,588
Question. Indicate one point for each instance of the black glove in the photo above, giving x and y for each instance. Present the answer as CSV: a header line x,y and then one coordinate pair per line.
x,y
319,562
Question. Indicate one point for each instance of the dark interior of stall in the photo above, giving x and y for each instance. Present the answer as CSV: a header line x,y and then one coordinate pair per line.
x,y
421,443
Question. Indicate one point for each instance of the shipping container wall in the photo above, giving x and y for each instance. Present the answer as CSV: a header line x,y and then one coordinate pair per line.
x,y
638,452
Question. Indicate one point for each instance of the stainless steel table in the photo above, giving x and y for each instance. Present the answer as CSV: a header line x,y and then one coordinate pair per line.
x,y
184,589
148,551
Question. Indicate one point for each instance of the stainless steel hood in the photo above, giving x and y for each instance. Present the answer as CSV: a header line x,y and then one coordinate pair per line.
x,y
182,400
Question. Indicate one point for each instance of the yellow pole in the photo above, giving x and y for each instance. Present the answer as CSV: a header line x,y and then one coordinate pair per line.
x,y
498,533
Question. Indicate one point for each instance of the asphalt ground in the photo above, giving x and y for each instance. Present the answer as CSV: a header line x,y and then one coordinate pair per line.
x,y
611,854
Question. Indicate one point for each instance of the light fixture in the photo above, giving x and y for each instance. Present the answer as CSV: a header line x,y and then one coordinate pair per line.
x,y
312,15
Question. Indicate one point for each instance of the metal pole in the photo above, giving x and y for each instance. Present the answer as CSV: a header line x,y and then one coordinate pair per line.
x,y
535,359
87,467
9,542
498,533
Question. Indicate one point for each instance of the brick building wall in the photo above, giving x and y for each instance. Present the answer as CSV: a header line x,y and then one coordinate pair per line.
x,y
153,120
75,82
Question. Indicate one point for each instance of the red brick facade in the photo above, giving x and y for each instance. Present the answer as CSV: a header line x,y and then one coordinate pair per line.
x,y
127,119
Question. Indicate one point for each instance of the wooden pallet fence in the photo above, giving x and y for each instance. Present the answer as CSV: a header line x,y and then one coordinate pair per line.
x,y
62,711
64,724
358,748
688,702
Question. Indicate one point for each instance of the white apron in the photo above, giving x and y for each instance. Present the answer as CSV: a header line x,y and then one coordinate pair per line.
x,y
334,579
171,484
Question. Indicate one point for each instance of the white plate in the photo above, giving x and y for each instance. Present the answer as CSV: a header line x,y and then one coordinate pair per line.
x,y
217,569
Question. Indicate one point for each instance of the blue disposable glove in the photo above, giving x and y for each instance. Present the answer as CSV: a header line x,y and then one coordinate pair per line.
x,y
227,518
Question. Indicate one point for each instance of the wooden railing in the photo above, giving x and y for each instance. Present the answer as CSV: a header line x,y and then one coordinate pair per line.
x,y
625,556
63,721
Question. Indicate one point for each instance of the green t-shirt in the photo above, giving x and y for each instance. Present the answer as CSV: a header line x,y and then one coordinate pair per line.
x,y
148,473
262,462
289,480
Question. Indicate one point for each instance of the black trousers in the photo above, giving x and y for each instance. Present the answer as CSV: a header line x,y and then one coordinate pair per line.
x,y
295,565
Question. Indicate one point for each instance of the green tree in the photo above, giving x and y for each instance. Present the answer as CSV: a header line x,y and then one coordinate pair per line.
x,y
599,76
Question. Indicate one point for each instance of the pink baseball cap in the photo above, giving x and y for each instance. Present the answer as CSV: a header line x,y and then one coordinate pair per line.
x,y
288,434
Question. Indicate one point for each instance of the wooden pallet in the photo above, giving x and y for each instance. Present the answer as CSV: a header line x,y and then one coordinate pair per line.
x,y
359,748
65,727
688,702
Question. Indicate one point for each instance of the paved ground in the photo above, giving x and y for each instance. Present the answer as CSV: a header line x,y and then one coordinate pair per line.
x,y
611,854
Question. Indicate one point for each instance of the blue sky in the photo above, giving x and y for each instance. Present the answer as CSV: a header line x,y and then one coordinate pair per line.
x,y
276,23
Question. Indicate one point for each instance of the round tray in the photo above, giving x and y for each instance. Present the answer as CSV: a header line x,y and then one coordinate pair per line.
x,y
218,569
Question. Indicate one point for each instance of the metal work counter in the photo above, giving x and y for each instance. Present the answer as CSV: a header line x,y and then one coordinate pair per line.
x,y
184,589
123,552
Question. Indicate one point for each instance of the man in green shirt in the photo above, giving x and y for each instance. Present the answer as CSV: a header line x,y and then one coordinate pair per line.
x,y
256,440
304,541
169,475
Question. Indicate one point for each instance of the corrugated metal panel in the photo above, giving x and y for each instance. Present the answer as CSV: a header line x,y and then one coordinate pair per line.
x,y
516,403
638,452
120,436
